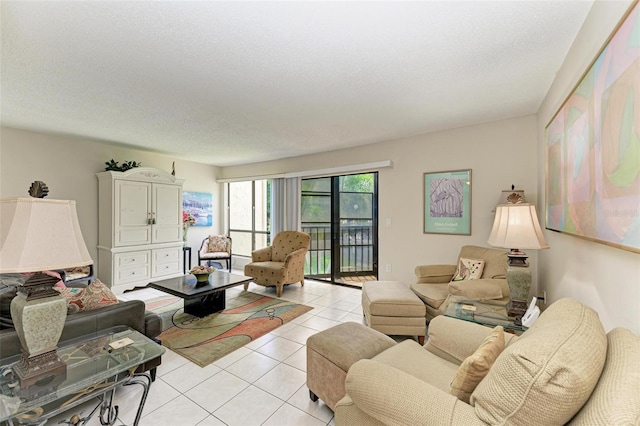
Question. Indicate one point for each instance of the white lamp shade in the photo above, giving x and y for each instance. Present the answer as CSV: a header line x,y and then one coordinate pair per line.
x,y
39,235
517,226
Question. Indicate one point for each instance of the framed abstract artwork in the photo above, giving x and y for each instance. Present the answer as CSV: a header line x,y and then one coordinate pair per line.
x,y
447,202
593,147
200,206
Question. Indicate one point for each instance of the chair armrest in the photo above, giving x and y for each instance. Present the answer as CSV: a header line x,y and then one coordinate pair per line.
x,y
454,339
482,289
152,324
204,247
435,274
261,255
392,396
296,254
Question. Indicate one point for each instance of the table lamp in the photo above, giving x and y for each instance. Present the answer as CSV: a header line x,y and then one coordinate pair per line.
x,y
39,235
516,227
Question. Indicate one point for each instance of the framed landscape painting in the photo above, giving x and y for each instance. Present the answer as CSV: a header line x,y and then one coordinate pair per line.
x,y
593,147
447,202
200,206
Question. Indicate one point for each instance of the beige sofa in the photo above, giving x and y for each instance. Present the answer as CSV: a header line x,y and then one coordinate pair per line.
x,y
433,284
563,370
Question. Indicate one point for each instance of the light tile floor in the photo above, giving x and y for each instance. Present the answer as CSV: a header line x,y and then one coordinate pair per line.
x,y
262,383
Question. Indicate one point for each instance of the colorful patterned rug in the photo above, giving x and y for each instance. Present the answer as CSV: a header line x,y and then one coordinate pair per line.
x,y
246,317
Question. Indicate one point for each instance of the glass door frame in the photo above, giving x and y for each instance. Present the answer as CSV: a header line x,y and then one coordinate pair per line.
x,y
337,235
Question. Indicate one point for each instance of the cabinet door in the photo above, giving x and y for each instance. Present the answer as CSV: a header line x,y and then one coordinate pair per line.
x,y
166,213
132,213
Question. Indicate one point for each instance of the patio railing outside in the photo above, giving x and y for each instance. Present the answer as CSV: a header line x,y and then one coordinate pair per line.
x,y
356,250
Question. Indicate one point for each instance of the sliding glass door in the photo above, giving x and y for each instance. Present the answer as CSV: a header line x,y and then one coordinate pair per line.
x,y
340,213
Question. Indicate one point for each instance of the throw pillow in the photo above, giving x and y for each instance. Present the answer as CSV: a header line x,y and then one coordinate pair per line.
x,y
96,295
468,269
217,243
477,365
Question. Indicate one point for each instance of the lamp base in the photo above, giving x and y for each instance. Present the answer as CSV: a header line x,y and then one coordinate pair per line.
x,y
517,258
39,315
38,373
519,281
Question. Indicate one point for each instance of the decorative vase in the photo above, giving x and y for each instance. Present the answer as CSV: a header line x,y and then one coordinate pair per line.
x,y
185,228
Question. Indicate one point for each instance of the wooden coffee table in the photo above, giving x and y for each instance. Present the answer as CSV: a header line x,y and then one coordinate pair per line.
x,y
201,299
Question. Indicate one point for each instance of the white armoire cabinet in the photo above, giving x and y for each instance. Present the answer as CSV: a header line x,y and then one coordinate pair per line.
x,y
139,227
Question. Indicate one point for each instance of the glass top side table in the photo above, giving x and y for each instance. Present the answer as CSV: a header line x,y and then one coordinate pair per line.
x,y
96,365
481,313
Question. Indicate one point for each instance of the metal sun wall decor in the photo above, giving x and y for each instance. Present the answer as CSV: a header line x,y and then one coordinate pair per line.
x,y
593,147
447,202
200,206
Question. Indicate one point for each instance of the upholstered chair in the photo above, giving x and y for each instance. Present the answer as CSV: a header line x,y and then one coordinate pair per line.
x,y
215,247
437,285
281,263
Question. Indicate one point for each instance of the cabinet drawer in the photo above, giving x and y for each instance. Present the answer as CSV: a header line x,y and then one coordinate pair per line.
x,y
168,255
134,273
168,268
132,258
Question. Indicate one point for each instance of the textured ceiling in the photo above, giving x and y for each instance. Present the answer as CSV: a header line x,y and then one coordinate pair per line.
x,y
238,82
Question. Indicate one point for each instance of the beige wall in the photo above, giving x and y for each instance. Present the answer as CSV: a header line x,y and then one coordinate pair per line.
x,y
605,278
500,154
68,165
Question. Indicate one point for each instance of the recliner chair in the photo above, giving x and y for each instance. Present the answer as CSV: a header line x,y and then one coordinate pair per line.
x,y
435,288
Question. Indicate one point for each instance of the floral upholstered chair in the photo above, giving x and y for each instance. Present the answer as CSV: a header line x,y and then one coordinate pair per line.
x,y
281,263
215,247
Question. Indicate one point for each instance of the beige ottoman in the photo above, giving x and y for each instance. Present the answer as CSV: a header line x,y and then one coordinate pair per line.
x,y
331,352
393,309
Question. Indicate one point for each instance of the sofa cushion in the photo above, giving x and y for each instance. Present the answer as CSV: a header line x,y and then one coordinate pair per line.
x,y
616,398
477,365
468,269
495,261
391,299
96,295
217,243
265,272
549,372
409,356
485,289
431,294
286,242
436,274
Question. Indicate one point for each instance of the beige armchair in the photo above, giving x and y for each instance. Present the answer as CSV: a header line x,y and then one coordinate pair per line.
x,y
215,247
563,370
435,288
281,263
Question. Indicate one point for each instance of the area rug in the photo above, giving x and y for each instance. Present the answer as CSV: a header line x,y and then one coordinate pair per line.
x,y
158,302
246,317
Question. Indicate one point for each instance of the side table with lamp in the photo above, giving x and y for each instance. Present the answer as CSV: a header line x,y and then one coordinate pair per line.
x,y
516,227
38,235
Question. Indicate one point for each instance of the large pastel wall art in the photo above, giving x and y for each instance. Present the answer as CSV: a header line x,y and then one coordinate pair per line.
x,y
593,147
